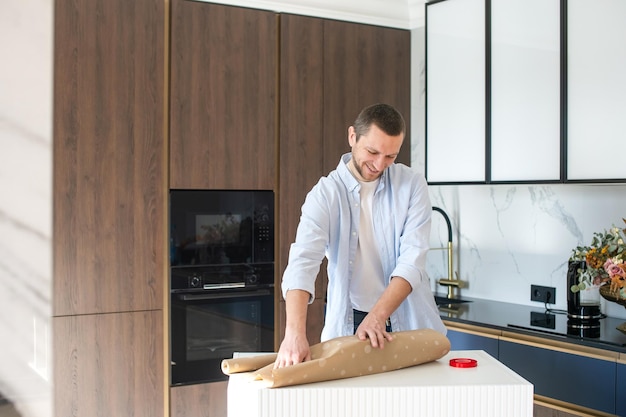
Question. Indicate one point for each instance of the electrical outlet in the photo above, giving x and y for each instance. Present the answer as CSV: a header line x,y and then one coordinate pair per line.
x,y
542,294
545,320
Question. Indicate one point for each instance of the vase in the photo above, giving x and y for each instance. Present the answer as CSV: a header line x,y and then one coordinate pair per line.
x,y
582,306
617,296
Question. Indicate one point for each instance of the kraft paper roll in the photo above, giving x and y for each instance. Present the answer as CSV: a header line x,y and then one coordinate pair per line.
x,y
347,357
247,364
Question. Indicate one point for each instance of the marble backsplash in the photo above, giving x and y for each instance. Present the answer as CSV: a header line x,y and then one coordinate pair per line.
x,y
509,237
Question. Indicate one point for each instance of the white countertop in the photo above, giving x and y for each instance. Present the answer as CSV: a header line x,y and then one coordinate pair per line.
x,y
431,389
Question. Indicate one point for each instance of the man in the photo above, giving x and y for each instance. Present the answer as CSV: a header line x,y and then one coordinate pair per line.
x,y
371,218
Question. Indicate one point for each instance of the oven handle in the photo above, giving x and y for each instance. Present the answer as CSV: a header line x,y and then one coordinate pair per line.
x,y
216,296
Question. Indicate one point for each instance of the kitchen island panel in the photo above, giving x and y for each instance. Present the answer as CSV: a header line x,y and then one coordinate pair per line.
x,y
432,389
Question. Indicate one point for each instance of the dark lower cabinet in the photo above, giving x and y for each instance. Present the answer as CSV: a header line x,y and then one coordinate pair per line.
x,y
578,379
575,379
620,388
468,341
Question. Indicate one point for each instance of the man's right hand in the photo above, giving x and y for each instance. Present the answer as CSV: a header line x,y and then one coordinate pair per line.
x,y
294,349
295,346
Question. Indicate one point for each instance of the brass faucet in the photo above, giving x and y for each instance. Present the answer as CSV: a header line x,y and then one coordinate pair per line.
x,y
451,282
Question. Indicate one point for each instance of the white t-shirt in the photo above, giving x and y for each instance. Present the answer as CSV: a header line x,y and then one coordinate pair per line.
x,y
368,281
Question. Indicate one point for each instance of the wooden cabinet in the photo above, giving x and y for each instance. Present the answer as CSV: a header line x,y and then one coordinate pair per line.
x,y
109,364
363,65
109,150
109,240
301,156
199,400
223,106
596,90
329,71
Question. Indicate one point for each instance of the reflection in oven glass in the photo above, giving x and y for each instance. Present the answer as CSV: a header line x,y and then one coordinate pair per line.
x,y
215,331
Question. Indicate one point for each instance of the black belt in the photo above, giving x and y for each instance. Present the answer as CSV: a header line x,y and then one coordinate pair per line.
x,y
360,315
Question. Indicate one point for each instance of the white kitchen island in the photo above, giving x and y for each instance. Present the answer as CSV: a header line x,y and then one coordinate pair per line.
x,y
433,389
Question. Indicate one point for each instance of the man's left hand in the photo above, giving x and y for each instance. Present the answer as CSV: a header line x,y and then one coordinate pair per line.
x,y
374,329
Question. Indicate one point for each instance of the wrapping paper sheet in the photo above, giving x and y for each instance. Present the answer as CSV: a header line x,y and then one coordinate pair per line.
x,y
346,357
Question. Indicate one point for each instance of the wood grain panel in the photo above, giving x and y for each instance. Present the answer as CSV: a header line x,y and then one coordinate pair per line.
x,y
109,365
200,400
301,99
363,65
301,128
329,71
223,124
109,173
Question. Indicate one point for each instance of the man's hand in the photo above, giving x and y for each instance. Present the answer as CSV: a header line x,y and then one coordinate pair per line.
x,y
374,329
294,349
373,325
295,346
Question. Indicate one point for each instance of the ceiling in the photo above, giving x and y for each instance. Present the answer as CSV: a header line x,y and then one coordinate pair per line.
x,y
404,14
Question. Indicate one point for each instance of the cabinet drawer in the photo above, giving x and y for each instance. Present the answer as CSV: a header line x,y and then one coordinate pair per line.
x,y
581,380
467,341
620,384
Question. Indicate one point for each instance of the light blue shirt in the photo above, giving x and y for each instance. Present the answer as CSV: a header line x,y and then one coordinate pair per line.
x,y
329,226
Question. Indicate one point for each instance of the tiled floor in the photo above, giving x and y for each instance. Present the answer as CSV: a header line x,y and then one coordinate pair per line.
x,y
7,410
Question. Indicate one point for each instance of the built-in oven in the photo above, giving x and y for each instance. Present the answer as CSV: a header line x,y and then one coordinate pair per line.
x,y
221,280
215,316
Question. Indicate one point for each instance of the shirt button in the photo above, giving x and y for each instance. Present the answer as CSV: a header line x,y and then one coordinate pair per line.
x,y
353,233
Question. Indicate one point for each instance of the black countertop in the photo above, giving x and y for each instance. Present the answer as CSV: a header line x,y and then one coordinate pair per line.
x,y
536,321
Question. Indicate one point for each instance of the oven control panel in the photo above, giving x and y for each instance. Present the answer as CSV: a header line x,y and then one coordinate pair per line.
x,y
222,277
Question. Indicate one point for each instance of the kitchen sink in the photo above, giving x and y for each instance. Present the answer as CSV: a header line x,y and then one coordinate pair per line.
x,y
446,301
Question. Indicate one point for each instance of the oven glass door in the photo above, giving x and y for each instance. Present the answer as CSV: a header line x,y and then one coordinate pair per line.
x,y
210,326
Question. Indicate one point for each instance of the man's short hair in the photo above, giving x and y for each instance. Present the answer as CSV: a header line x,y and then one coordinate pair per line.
x,y
384,116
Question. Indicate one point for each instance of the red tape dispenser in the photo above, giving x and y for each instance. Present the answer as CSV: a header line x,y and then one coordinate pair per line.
x,y
463,363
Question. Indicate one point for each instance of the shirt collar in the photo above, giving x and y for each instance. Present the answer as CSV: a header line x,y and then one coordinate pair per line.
x,y
347,177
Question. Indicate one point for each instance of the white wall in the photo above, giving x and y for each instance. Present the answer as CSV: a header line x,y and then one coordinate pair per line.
x,y
508,237
26,204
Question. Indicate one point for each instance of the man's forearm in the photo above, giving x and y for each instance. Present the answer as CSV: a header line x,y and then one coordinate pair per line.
x,y
296,306
395,293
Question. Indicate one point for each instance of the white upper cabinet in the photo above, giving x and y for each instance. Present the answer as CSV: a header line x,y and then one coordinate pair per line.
x,y
493,91
596,90
525,90
455,91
